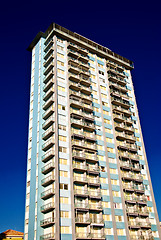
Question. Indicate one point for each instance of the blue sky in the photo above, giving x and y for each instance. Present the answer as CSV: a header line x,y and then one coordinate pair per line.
x,y
129,28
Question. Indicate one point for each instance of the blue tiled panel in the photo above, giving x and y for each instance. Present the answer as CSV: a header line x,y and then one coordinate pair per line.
x,y
110,145
102,163
109,237
106,117
97,114
103,174
118,212
113,165
65,221
100,142
104,186
137,134
100,133
101,153
98,123
109,135
128,87
91,58
96,105
114,176
116,188
120,225
105,198
117,199
138,143
151,215
146,182
66,236
111,155
149,204
122,238
134,118
107,211
109,126
106,108
108,224
131,102
154,227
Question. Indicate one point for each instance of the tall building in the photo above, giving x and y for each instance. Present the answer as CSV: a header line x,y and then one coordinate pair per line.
x,y
87,171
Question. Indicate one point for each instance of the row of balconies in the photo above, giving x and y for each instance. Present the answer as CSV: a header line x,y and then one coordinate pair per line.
x,y
85,220
137,211
131,187
85,193
116,85
79,94
77,69
139,224
81,123
84,155
48,133
115,71
118,93
141,237
84,144
129,146
124,136
87,180
79,87
116,79
48,122
124,127
77,48
85,235
121,110
48,222
129,165
80,104
127,155
136,198
120,102
110,63
132,176
88,135
49,236
83,167
78,55
81,113
78,62
93,207
122,118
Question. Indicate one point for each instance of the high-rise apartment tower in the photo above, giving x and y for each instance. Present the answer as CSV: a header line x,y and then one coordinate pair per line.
x,y
87,172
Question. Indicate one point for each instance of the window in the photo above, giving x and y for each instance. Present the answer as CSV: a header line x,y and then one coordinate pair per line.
x,y
100,72
93,76
105,112
96,109
106,204
113,171
119,218
101,158
114,182
120,232
61,107
62,149
63,173
107,217
106,121
63,161
63,186
99,147
100,65
104,104
59,40
60,63
103,180
99,137
64,214
115,193
64,200
61,89
103,88
104,192
109,140
95,100
108,231
60,55
103,95
110,150
62,127
65,229
60,47
62,138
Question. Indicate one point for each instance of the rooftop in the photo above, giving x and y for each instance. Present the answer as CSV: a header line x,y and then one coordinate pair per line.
x,y
11,232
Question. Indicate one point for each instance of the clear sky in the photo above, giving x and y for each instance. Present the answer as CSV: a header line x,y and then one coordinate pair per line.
x,y
129,28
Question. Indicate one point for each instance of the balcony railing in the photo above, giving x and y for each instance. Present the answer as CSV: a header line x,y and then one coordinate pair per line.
x,y
94,193
97,220
82,219
48,122
80,166
83,235
81,205
48,167
48,133
47,207
47,194
80,192
49,236
48,102
48,144
80,179
95,206
78,154
47,222
48,180
48,155
93,181
97,235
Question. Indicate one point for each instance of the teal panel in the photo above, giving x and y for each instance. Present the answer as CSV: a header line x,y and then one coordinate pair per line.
x,y
105,198
104,186
91,58
109,237
66,236
100,152
109,135
100,133
107,211
106,108
97,114
106,117
109,126
102,163
103,174
100,142
146,182
117,199
149,204
120,225
96,105
154,227
116,188
122,238
113,165
114,176
118,212
111,155
110,145
108,224
100,62
98,123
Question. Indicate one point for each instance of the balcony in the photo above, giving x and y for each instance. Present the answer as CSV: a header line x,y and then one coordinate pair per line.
x,y
122,110
146,224
94,181
80,167
86,97
73,68
49,68
83,235
82,193
85,79
133,224
97,221
93,169
82,220
48,76
138,177
48,122
80,179
75,103
49,102
88,116
87,107
49,236
73,77
114,78
118,86
48,155
48,59
136,167
86,90
72,46
143,212
127,175
118,117
48,85
91,157
132,211
48,133
76,122
120,102
48,94
49,44
128,187
81,206
130,198
48,180
123,127
125,165
97,236
83,50
96,207
83,58
74,85
139,188
90,136
77,143
142,199
92,146
74,93
48,222
95,194
72,53
47,207
89,125
48,144
47,194
78,155
48,168
73,60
